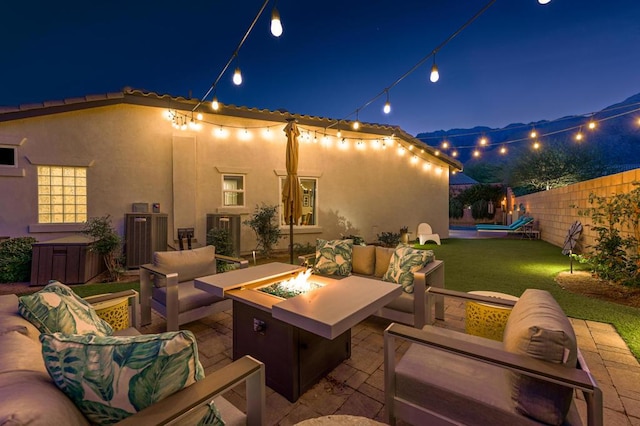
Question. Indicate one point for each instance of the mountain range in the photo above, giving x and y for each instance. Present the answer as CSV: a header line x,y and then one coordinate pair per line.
x,y
615,138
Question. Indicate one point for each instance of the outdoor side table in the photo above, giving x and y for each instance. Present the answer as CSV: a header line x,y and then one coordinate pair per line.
x,y
487,320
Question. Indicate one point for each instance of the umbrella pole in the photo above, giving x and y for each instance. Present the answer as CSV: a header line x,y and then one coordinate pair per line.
x,y
291,236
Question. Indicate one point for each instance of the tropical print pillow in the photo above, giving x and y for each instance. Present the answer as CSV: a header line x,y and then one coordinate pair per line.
x,y
406,260
111,377
56,308
333,257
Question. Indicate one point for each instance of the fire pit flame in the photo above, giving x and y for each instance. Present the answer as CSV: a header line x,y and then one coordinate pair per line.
x,y
293,286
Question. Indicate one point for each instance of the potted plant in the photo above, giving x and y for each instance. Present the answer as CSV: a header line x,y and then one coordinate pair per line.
x,y
404,235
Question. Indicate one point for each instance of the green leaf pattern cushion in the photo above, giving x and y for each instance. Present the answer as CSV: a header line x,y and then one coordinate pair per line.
x,y
109,378
406,260
56,308
213,416
333,257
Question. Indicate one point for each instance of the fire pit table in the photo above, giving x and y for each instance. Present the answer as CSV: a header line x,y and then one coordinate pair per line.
x,y
302,338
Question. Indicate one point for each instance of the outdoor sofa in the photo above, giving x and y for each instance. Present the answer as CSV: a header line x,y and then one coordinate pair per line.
x,y
531,377
369,261
29,395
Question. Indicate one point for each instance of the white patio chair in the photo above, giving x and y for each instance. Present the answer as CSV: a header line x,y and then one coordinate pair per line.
x,y
425,233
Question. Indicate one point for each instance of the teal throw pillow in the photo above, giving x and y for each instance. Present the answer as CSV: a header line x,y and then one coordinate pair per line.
x,y
56,308
406,260
333,257
111,377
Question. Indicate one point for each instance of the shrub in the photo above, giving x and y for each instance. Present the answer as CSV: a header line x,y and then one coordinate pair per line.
x,y
220,238
15,259
264,223
357,239
456,209
301,249
389,239
616,222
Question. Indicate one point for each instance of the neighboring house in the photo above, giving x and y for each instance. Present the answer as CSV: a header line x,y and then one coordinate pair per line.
x,y
458,182
65,161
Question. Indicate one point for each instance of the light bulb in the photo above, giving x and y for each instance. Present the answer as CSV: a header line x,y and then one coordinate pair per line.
x,y
579,136
237,77
435,75
199,116
387,107
536,145
356,125
503,150
454,154
544,1
215,105
476,153
445,144
483,141
276,25
533,134
339,134
592,125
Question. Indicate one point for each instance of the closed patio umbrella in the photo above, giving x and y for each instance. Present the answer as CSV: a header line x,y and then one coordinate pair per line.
x,y
291,194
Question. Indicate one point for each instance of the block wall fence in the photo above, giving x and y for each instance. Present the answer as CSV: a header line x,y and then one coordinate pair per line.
x,y
555,212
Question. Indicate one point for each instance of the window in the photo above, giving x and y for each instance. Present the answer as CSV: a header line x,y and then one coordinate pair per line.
x,y
62,194
233,190
8,156
309,190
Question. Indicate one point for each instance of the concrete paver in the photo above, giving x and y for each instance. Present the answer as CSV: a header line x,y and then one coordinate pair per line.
x,y
356,386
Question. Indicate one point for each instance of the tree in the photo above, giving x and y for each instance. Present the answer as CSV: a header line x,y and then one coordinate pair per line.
x,y
554,167
264,223
107,243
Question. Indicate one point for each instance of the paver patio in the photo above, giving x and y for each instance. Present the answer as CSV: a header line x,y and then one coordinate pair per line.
x,y
356,387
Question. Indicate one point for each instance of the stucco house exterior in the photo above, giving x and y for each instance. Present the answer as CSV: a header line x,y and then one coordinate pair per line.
x,y
65,161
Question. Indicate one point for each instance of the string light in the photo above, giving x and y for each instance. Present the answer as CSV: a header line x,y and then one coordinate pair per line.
x,y
503,150
476,153
536,145
387,105
579,135
356,124
276,25
591,125
483,141
445,145
215,105
237,77
533,134
435,75
544,1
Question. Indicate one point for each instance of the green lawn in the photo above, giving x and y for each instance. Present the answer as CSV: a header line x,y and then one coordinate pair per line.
x,y
511,266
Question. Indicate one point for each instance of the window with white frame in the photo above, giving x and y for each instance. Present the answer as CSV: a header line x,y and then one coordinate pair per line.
x,y
309,191
233,190
62,194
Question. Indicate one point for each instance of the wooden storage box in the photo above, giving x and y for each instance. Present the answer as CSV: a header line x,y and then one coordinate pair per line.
x,y
66,259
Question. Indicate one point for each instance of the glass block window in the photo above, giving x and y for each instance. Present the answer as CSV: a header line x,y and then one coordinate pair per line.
x,y
233,190
62,194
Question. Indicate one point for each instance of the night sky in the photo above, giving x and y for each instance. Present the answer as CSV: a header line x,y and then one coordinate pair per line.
x,y
518,62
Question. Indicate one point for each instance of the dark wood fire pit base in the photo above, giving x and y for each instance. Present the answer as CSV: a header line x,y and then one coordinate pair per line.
x,y
295,359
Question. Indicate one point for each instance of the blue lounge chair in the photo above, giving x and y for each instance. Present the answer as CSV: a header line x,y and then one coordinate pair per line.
x,y
514,227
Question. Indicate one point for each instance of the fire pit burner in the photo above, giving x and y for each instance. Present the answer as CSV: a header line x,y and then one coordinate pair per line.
x,y
290,288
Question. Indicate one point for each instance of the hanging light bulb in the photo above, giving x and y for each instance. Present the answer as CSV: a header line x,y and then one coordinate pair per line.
x,y
199,116
435,75
503,150
339,134
454,154
536,145
276,25
592,125
476,153
237,77
356,124
483,141
215,105
544,1
387,105
579,136
533,134
445,144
